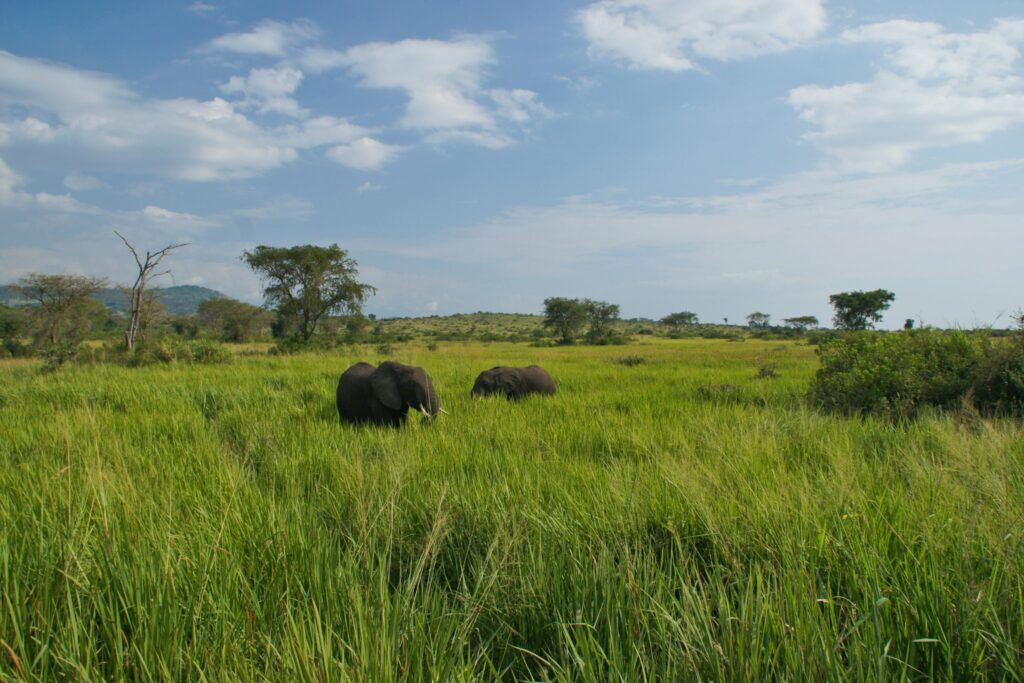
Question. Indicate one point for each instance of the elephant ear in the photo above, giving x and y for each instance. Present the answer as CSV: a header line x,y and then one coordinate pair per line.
x,y
385,386
510,381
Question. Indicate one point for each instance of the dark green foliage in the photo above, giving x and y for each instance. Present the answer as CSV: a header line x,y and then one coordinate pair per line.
x,y
998,385
896,374
602,317
801,322
566,317
233,321
758,320
306,283
63,310
680,319
860,310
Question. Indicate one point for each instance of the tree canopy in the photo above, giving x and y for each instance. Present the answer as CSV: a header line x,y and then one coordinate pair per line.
x,y
566,317
860,310
801,322
602,316
66,310
305,283
232,320
758,319
680,319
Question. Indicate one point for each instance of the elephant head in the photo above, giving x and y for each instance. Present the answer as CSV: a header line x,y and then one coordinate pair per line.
x,y
400,387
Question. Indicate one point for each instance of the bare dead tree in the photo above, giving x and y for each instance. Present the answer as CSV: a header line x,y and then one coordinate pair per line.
x,y
137,292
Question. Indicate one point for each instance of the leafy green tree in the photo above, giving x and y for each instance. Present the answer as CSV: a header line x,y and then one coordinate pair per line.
x,y
680,319
759,320
801,322
860,310
305,283
565,316
602,317
232,320
65,312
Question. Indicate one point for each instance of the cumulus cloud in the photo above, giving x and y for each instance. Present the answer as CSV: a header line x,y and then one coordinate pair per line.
x,y
444,83
364,154
673,35
935,89
98,124
268,90
268,38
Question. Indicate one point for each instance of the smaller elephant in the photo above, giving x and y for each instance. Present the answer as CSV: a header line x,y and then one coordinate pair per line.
x,y
384,394
514,383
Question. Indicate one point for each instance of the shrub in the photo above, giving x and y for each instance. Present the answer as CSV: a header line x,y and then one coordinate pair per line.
x,y
630,361
895,374
998,382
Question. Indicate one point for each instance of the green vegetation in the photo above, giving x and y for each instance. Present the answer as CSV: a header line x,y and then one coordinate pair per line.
x,y
860,310
898,374
178,300
677,518
306,283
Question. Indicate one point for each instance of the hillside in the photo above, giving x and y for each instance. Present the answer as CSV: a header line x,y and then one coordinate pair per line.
x,y
178,300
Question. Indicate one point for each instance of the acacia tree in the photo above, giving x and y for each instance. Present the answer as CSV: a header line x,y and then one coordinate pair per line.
x,y
307,282
139,305
758,319
65,305
680,319
801,322
860,310
565,316
232,320
602,316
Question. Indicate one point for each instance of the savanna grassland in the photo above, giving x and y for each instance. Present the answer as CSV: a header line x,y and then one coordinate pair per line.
x,y
682,517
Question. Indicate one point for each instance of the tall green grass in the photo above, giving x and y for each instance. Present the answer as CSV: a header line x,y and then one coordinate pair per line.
x,y
648,523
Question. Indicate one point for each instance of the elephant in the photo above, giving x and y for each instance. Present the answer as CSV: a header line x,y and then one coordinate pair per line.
x,y
384,394
514,383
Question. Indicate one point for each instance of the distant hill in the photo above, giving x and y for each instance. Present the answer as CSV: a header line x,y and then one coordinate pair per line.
x,y
178,300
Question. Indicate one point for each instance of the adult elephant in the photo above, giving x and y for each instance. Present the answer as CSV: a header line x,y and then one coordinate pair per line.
x,y
384,394
514,383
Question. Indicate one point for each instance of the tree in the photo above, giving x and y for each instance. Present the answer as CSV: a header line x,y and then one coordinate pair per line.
x,y
139,306
231,320
305,283
860,310
65,310
680,319
758,319
565,316
908,324
801,322
602,317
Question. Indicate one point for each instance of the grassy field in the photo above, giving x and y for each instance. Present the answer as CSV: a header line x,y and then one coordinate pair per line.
x,y
677,519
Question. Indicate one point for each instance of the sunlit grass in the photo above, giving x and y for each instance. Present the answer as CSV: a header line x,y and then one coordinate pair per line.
x,y
646,523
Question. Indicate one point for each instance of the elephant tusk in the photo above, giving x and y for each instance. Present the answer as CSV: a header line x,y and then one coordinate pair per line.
x,y
424,411
442,410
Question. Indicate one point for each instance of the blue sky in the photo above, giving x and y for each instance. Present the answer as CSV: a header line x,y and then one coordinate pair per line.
x,y
718,156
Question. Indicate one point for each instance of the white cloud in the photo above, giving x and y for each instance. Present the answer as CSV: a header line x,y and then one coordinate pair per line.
x,y
201,8
268,38
673,35
268,90
364,154
367,186
936,89
443,81
97,124
80,182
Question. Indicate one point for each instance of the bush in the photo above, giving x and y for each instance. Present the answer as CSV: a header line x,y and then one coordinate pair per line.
x,y
896,374
630,361
998,386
